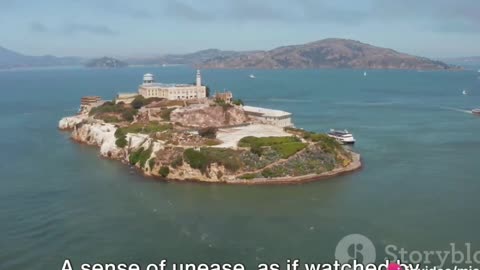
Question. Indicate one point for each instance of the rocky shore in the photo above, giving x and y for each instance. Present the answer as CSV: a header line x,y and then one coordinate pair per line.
x,y
157,154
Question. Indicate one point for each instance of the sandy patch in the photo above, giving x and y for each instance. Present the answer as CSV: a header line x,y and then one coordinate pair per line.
x,y
231,136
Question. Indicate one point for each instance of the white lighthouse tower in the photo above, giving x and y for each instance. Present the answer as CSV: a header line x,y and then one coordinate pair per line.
x,y
199,78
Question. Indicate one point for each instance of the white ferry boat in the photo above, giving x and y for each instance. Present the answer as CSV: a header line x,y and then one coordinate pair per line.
x,y
343,136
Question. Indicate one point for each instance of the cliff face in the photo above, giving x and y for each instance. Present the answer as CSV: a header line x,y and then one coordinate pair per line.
x,y
328,53
103,136
209,116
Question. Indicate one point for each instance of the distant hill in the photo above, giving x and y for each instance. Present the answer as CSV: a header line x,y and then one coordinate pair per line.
x,y
467,62
327,53
105,62
183,59
11,59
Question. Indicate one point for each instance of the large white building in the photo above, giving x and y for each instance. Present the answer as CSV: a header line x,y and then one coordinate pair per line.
x,y
268,116
149,88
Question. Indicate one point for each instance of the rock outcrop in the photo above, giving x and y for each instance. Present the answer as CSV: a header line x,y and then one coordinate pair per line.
x,y
69,123
209,116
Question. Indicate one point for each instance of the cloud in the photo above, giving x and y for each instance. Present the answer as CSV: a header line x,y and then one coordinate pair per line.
x,y
181,10
436,15
38,27
95,29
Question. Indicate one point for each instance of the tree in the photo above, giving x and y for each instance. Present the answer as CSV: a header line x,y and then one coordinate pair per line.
x,y
164,171
138,102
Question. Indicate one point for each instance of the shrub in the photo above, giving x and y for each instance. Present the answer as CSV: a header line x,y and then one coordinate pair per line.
x,y
150,127
121,142
119,133
151,163
165,114
138,102
140,156
248,176
267,173
177,162
164,171
238,102
202,159
129,114
196,159
208,132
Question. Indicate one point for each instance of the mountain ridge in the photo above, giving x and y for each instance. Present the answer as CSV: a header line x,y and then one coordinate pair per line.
x,y
327,53
13,59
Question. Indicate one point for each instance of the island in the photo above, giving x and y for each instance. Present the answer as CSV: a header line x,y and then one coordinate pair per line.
x,y
326,53
105,62
180,132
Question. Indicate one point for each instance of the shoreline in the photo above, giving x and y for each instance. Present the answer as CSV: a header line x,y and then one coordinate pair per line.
x,y
101,135
354,166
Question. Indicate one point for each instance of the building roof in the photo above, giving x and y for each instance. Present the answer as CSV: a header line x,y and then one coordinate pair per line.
x,y
165,85
266,112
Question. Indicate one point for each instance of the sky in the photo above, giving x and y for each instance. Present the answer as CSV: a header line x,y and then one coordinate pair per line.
x,y
140,28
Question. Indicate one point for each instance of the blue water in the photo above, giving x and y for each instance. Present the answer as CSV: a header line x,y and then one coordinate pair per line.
x,y
418,189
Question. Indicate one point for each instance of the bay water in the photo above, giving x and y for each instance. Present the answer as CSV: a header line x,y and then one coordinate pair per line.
x,y
418,189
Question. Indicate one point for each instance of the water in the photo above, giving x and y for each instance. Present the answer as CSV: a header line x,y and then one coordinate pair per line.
x,y
418,189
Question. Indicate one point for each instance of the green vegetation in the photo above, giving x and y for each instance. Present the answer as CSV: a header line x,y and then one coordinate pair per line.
x,y
287,150
177,162
140,156
277,171
121,142
238,102
112,113
151,163
212,142
165,114
140,101
248,176
202,159
223,104
285,146
252,141
121,138
145,128
164,171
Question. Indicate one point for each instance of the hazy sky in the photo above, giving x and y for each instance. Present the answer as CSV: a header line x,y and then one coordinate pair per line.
x,y
433,28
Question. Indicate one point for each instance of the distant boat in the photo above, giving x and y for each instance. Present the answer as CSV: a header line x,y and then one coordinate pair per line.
x,y
365,74
476,111
464,92
252,76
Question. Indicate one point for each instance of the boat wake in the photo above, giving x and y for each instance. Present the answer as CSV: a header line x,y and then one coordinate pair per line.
x,y
456,110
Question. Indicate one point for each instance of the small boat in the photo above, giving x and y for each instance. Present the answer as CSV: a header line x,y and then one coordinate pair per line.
x,y
476,111
365,74
464,92
342,136
251,76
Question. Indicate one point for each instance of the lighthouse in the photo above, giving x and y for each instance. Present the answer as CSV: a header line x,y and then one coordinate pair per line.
x,y
199,78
